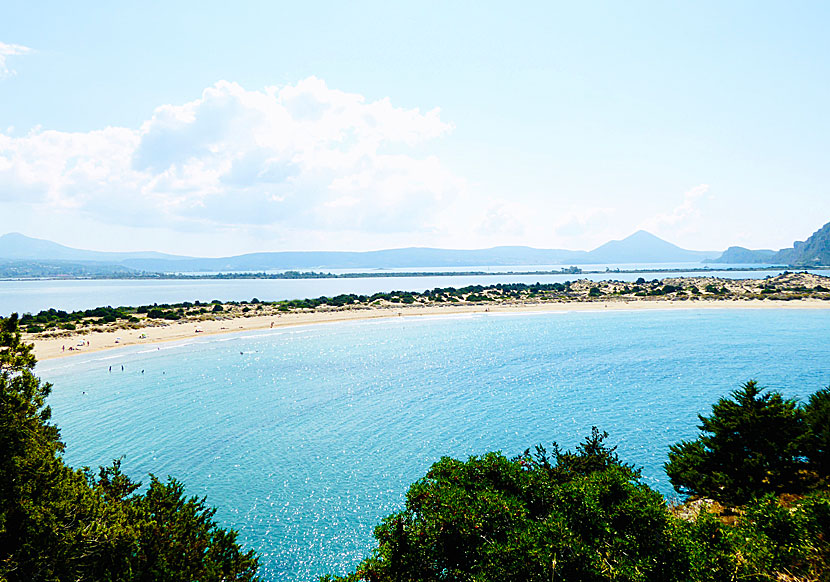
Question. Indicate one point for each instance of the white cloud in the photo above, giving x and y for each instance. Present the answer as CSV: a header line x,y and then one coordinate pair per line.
x,y
682,216
577,223
10,50
504,219
542,222
302,157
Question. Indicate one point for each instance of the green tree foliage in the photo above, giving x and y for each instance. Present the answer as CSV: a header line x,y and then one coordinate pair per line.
x,y
568,516
817,419
32,477
58,523
752,444
768,541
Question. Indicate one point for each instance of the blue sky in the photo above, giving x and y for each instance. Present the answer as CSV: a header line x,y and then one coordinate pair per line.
x,y
211,129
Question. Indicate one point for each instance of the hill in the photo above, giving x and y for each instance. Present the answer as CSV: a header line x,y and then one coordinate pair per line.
x,y
644,247
738,255
15,246
815,251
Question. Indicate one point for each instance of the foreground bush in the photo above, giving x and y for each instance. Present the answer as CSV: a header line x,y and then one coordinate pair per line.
x,y
768,540
586,516
568,516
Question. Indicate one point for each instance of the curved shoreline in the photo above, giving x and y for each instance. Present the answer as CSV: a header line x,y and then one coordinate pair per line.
x,y
52,348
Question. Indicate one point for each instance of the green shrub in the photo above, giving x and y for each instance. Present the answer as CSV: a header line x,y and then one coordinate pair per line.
x,y
569,516
751,444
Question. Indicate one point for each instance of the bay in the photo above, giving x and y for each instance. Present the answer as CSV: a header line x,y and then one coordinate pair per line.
x,y
304,438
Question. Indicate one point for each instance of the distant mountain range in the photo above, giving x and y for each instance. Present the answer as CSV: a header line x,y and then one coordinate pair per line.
x,y
814,251
22,256
15,246
640,247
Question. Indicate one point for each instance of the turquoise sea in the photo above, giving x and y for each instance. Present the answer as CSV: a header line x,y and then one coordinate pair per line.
x,y
305,437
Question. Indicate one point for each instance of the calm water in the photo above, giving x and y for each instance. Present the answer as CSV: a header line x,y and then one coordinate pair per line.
x,y
306,437
33,296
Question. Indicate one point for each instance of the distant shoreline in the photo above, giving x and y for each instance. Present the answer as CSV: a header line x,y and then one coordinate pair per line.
x,y
294,275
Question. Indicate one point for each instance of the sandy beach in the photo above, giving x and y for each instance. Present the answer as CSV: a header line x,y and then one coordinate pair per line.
x,y
57,347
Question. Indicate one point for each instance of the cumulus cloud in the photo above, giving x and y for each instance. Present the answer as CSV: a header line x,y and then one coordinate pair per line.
x,y
681,215
504,218
299,157
541,222
575,223
10,50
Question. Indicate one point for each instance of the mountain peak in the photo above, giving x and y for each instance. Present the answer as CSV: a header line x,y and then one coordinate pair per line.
x,y
642,246
643,234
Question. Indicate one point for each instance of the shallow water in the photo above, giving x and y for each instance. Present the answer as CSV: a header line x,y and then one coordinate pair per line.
x,y
305,437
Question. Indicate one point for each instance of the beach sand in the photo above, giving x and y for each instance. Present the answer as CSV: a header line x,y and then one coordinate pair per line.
x,y
50,348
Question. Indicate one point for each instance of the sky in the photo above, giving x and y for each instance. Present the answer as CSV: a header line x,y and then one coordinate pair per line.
x,y
215,128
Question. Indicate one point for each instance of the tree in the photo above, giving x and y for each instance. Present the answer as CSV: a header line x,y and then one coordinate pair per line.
x,y
59,523
817,419
751,444
31,473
